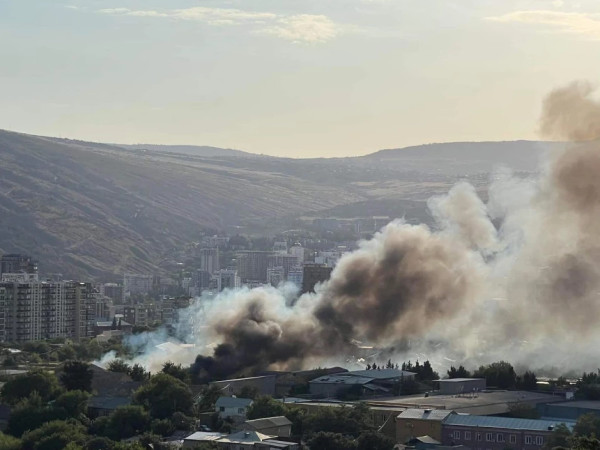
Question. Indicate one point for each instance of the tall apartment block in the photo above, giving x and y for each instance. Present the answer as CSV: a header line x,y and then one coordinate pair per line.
x,y
34,310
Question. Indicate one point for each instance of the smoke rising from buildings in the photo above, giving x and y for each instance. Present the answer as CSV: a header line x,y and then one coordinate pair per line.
x,y
517,277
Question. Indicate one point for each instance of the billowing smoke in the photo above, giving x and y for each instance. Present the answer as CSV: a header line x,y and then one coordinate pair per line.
x,y
516,278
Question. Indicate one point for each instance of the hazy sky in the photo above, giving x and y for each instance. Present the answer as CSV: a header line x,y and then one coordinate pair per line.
x,y
290,77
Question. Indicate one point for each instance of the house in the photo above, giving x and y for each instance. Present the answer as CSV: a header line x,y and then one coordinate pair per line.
x,y
242,440
264,385
232,407
497,433
279,426
455,386
416,422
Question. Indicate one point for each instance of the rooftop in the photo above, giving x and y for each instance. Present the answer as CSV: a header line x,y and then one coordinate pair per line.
x,y
268,422
502,422
342,379
585,404
246,436
381,374
459,380
233,402
425,414
204,436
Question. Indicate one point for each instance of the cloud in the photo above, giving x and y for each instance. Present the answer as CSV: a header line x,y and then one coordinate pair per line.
x,y
571,22
304,28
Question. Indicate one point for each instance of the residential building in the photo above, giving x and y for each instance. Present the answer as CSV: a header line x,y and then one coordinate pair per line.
x,y
313,274
137,315
455,386
113,291
497,433
209,259
275,275
232,407
136,284
17,263
295,275
227,279
279,426
287,262
44,310
252,265
242,440
299,252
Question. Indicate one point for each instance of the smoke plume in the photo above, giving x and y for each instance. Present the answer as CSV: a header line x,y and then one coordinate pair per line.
x,y
517,278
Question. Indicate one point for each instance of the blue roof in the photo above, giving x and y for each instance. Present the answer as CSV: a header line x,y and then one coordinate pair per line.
x,y
503,422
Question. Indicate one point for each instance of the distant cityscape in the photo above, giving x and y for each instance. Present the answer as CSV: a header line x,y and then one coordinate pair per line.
x,y
36,306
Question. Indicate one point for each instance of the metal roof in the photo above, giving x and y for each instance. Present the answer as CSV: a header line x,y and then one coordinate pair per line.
x,y
459,380
342,379
381,374
204,436
585,404
425,414
233,402
246,436
502,422
267,422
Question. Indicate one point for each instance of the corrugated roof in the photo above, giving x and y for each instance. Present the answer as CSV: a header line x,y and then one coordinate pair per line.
x,y
204,436
267,422
459,380
341,379
425,414
233,402
502,422
246,436
381,374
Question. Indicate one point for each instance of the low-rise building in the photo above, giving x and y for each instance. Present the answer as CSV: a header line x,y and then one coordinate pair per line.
x,y
265,385
233,407
414,422
497,433
455,386
279,426
241,440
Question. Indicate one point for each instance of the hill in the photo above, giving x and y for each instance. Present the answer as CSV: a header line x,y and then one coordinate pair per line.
x,y
92,209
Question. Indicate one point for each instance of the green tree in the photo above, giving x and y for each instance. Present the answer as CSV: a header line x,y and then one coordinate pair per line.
x,y
55,435
30,413
175,370
527,381
498,374
461,372
77,375
209,397
8,442
164,395
40,381
138,373
74,403
126,421
559,438
265,406
162,427
587,425
371,440
324,440
118,365
250,392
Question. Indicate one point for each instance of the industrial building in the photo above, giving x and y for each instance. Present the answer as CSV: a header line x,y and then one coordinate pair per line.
x,y
454,386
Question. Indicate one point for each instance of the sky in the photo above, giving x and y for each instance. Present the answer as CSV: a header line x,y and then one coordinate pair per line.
x,y
293,78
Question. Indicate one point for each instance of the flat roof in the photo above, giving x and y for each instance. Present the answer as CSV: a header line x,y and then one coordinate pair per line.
x,y
459,380
510,423
484,402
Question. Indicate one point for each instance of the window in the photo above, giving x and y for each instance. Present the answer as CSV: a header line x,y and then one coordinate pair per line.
x,y
478,436
512,438
528,440
456,434
500,437
489,437
467,435
539,440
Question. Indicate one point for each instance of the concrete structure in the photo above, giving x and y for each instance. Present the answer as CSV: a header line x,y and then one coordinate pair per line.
x,y
497,433
413,423
296,275
232,407
279,426
313,274
569,410
265,385
137,315
209,260
455,386
275,275
482,403
288,262
299,252
113,291
227,279
252,265
136,284
42,310
17,263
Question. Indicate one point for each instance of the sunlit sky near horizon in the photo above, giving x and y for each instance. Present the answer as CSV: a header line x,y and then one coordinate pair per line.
x,y
297,78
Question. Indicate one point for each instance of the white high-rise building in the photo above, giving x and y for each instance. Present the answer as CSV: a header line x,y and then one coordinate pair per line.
x,y
298,251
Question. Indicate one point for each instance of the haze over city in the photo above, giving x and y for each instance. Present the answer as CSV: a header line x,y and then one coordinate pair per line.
x,y
289,78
